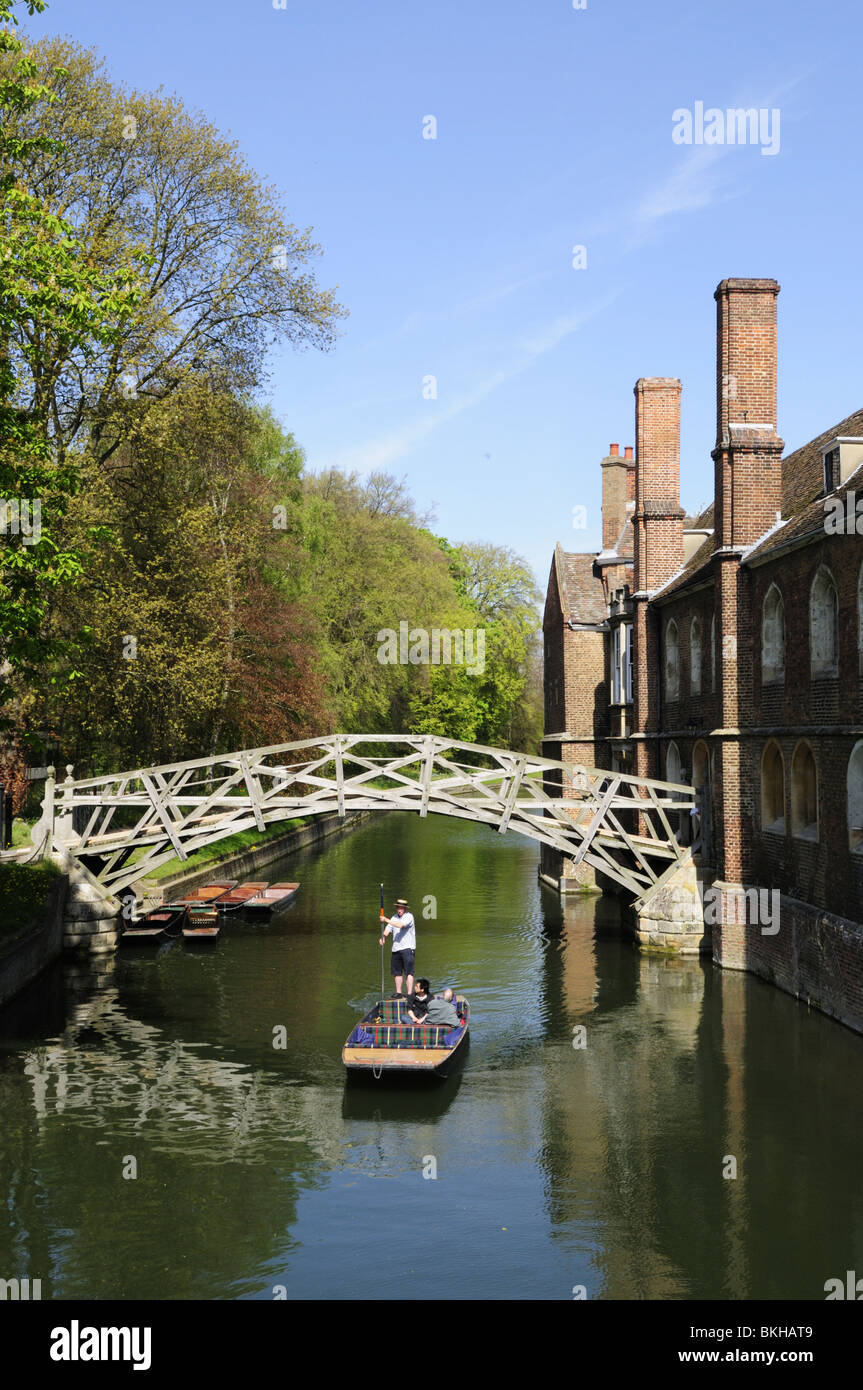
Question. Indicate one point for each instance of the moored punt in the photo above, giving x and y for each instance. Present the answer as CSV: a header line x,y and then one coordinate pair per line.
x,y
202,925
383,1042
210,891
273,899
154,927
238,897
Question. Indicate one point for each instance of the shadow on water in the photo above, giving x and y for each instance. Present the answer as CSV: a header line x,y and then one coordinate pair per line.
x,y
421,1099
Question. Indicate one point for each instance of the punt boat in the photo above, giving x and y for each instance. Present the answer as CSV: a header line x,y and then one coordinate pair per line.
x,y
154,927
236,898
273,899
210,891
383,1041
202,925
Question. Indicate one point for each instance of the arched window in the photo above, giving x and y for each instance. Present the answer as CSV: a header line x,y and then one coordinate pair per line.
x,y
701,779
713,654
822,624
674,773
673,764
772,789
773,637
695,656
860,620
804,793
855,798
672,662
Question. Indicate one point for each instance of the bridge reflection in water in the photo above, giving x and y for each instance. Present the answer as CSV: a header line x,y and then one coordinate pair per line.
x,y
556,1166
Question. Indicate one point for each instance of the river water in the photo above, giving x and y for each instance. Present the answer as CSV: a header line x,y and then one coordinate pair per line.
x,y
259,1173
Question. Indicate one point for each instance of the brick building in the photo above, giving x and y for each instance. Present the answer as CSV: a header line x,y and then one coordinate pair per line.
x,y
726,650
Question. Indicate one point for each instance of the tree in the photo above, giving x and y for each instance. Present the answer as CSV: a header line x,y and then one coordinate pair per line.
x,y
45,279
500,587
226,274
186,633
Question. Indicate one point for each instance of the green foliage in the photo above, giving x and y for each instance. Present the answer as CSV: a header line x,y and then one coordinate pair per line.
x,y
192,590
49,294
183,634
226,274
24,890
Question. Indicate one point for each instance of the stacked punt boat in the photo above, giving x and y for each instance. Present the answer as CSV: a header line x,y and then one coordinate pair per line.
x,y
272,899
198,913
210,891
202,925
237,898
154,927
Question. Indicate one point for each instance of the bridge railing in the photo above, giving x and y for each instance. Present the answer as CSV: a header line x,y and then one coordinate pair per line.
x,y
124,825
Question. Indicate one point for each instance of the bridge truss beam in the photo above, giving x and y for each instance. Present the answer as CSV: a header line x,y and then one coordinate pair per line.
x,y
125,825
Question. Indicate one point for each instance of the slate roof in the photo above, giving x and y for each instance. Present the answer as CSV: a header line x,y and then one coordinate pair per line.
x,y
802,504
803,487
582,596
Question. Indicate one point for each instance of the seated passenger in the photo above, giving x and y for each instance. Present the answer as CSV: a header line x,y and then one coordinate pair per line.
x,y
443,1010
418,1002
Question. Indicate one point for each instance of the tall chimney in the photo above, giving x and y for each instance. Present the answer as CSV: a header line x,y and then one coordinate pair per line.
x,y
615,473
658,515
748,453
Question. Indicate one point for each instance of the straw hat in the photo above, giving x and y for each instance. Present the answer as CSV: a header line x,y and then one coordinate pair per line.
x,y
401,902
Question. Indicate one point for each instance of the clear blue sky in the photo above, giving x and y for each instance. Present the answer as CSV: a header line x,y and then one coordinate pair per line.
x,y
453,256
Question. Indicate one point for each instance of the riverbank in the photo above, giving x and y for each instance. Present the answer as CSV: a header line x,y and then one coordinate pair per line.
x,y
242,863
32,902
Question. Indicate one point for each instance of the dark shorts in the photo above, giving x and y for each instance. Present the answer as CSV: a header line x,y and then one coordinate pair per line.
x,y
402,963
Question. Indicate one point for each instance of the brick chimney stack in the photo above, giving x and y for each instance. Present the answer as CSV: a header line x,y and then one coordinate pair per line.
x,y
630,478
616,473
658,518
748,453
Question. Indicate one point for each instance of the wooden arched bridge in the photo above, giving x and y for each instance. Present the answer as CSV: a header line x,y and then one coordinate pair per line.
x,y
121,827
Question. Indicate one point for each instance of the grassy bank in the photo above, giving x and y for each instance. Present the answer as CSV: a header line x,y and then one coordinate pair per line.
x,y
223,849
23,891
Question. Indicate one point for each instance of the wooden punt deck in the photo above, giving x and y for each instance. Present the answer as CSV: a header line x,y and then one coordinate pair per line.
x,y
399,1054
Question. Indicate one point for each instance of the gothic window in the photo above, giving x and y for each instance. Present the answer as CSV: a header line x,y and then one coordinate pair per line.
x,y
674,773
772,789
822,624
773,637
855,798
695,656
672,662
713,653
804,793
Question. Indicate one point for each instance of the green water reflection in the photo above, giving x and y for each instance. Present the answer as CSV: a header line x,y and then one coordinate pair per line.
x,y
259,1169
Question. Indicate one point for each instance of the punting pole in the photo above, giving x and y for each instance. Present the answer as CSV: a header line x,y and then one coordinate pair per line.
x,y
383,919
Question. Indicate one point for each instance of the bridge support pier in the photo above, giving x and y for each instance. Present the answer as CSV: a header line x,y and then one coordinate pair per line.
x,y
561,873
90,920
670,917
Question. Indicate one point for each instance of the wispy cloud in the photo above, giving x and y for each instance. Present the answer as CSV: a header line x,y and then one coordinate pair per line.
x,y
704,175
388,448
697,183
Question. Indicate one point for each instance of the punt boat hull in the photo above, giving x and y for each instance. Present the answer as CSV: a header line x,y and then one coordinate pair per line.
x,y
273,899
155,927
382,1043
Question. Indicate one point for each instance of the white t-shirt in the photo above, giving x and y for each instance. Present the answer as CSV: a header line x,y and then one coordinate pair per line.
x,y
404,932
